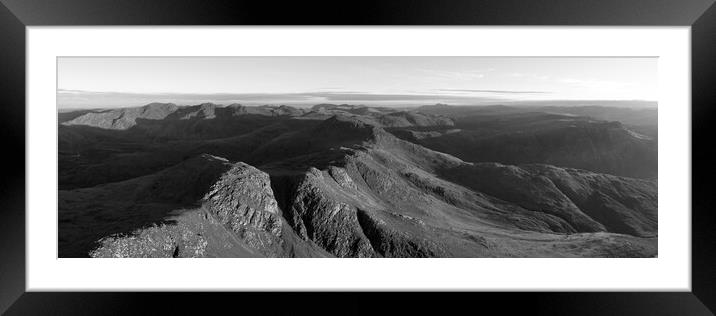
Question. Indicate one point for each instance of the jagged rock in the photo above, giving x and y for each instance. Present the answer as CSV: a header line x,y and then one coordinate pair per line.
x,y
389,242
154,242
318,213
189,233
242,199
236,196
341,177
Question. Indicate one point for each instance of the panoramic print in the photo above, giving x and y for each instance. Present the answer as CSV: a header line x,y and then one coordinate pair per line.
x,y
368,157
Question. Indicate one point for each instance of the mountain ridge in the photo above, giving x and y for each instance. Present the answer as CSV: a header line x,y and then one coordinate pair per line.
x,y
346,186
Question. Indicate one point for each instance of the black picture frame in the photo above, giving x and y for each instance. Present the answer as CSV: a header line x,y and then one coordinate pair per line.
x,y
16,15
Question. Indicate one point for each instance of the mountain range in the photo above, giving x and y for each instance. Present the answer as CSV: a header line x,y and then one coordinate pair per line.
x,y
353,181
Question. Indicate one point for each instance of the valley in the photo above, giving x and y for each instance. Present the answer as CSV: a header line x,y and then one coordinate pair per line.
x,y
339,180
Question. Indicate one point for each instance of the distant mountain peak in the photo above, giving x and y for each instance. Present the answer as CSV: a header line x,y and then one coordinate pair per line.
x,y
159,105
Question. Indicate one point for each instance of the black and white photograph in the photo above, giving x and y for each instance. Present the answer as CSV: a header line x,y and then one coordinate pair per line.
x,y
357,157
391,156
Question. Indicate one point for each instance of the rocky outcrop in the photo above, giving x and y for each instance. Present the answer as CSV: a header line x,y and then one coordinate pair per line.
x,y
243,201
394,243
319,210
158,241
187,234
233,205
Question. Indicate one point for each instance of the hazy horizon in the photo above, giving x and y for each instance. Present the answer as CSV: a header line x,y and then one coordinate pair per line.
x,y
635,104
111,82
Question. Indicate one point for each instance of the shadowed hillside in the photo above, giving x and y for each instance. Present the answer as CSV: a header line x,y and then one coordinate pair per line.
x,y
335,181
526,135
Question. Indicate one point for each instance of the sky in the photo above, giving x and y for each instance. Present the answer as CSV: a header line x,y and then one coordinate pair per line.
x,y
102,82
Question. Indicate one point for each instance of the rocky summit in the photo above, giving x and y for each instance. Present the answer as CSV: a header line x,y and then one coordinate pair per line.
x,y
353,181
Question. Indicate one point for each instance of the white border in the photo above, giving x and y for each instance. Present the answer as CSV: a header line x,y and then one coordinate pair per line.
x,y
669,272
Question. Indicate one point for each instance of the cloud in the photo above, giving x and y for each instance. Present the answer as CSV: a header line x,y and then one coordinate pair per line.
x,y
493,91
85,99
529,76
594,84
456,75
